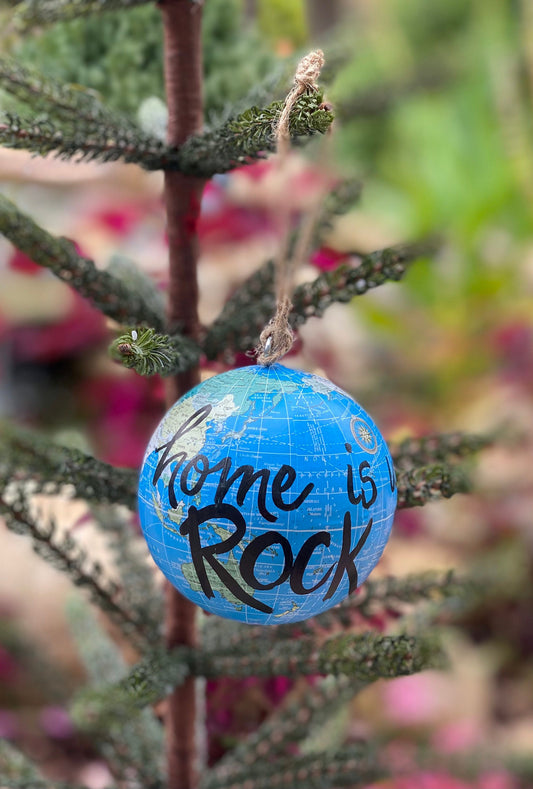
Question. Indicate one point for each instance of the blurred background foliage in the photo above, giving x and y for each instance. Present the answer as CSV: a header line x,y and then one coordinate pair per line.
x,y
434,102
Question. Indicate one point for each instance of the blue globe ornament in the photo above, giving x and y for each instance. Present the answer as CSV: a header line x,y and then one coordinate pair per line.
x,y
266,495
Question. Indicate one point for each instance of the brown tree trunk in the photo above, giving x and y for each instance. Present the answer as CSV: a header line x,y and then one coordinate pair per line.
x,y
183,80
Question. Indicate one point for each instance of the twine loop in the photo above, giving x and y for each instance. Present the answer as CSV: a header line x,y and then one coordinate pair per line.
x,y
277,337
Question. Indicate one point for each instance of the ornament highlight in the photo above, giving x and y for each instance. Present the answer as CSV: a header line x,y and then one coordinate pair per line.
x,y
266,495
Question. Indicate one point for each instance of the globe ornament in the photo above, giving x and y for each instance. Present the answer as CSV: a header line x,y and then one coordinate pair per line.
x,y
266,495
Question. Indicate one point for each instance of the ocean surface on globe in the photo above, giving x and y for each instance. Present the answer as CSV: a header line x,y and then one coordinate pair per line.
x,y
266,495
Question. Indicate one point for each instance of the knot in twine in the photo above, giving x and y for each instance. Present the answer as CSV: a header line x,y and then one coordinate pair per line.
x,y
277,337
305,78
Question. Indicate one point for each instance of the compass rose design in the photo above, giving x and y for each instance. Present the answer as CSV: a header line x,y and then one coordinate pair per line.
x,y
363,435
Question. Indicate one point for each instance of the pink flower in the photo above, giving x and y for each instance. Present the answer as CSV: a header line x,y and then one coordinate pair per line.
x,y
414,700
327,259
56,723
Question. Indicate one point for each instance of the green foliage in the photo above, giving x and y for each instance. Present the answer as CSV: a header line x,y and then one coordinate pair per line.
x,y
354,766
138,588
420,485
150,353
134,749
105,292
238,141
64,553
250,135
245,314
44,12
51,468
412,452
283,21
128,46
14,766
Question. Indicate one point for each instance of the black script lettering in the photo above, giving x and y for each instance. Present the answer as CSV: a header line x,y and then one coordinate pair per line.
x,y
193,421
280,485
179,457
253,551
202,554
204,473
392,477
364,478
249,477
346,562
302,560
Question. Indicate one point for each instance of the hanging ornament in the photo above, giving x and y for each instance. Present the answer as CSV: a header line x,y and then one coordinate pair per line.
x,y
266,495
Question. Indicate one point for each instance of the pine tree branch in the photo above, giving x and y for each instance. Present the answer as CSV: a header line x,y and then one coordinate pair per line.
x,y
66,555
32,13
346,281
242,319
53,467
15,767
288,724
373,597
105,292
418,486
363,657
438,448
338,202
150,353
134,750
139,591
236,142
249,136
236,327
353,765
102,142
67,103
42,783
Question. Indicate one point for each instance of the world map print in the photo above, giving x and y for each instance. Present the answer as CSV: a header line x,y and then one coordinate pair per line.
x,y
266,495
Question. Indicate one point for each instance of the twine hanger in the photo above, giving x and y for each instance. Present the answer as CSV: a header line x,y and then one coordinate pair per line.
x,y
277,337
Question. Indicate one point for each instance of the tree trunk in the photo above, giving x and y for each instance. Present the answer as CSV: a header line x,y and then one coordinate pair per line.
x,y
183,80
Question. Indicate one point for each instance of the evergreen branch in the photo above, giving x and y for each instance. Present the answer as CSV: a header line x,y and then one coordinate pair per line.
x,y
66,555
374,596
249,136
135,749
106,292
74,139
363,657
139,591
246,313
31,13
39,783
418,486
236,327
349,280
148,682
337,202
236,142
53,467
438,448
353,765
67,103
15,767
289,724
150,353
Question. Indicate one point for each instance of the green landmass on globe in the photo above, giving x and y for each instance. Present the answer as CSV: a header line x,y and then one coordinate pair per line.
x,y
231,565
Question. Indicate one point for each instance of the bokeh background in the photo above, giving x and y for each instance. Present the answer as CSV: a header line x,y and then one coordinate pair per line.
x,y
434,108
